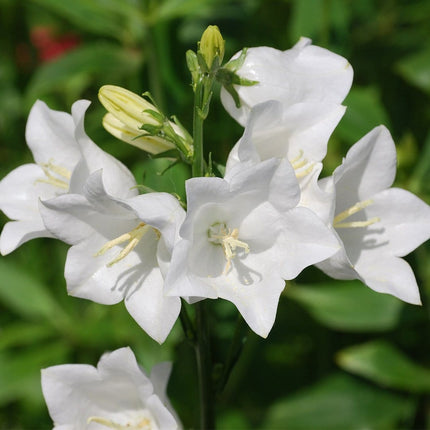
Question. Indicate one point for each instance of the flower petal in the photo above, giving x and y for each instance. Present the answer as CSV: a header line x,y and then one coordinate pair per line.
x,y
369,167
389,274
50,136
404,218
118,180
15,233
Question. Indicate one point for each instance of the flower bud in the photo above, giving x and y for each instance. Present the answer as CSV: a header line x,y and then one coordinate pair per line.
x,y
130,116
135,137
212,45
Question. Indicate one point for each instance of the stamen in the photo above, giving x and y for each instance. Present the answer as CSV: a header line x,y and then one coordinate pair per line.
x,y
299,162
50,169
144,424
133,238
228,239
337,221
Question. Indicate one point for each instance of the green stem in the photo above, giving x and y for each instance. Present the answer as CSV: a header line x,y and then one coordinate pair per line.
x,y
236,346
204,368
198,167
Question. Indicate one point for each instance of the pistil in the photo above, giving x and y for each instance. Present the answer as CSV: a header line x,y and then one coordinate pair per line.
x,y
229,240
337,221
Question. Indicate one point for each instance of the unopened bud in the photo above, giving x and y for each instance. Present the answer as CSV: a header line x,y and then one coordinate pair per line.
x,y
130,115
212,45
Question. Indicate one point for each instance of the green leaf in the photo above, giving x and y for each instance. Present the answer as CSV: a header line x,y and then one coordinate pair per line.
x,y
339,402
25,295
150,173
24,333
94,62
415,69
384,364
364,112
20,373
103,17
348,306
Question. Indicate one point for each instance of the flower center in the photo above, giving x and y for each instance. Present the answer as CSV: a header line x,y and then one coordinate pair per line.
x,y
219,234
301,165
144,423
337,221
55,175
133,237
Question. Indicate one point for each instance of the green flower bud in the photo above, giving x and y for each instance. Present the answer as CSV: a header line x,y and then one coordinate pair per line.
x,y
211,45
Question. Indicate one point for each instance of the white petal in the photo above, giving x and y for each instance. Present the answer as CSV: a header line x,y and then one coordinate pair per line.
x,y
50,136
304,240
369,167
70,217
88,276
15,233
151,309
21,190
118,180
304,73
257,302
404,221
320,200
391,275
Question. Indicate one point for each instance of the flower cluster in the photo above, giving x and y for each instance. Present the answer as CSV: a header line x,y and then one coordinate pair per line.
x,y
241,236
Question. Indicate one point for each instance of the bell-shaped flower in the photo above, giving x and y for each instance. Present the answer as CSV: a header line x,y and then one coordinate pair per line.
x,y
117,394
243,236
120,248
298,133
50,137
302,74
376,224
64,156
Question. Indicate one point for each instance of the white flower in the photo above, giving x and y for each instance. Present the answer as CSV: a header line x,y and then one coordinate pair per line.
x,y
117,394
64,157
242,237
304,73
376,224
120,247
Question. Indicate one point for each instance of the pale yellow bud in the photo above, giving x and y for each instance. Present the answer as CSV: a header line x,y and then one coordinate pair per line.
x,y
128,112
127,106
138,138
212,45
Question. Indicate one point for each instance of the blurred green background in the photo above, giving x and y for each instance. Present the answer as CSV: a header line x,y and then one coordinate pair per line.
x,y
339,356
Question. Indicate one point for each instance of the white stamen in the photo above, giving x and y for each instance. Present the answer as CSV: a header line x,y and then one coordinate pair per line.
x,y
133,237
337,221
301,165
144,424
61,180
228,239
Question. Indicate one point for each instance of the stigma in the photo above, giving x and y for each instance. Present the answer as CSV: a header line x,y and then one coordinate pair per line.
x,y
339,218
219,234
133,237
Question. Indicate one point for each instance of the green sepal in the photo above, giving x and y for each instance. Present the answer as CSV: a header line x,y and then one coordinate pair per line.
x,y
156,115
193,65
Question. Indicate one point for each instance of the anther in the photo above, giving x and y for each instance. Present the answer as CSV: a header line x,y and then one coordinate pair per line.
x,y
133,237
228,239
337,221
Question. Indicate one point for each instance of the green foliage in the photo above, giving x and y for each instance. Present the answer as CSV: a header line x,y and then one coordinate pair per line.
x,y
141,45
335,305
384,364
340,403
